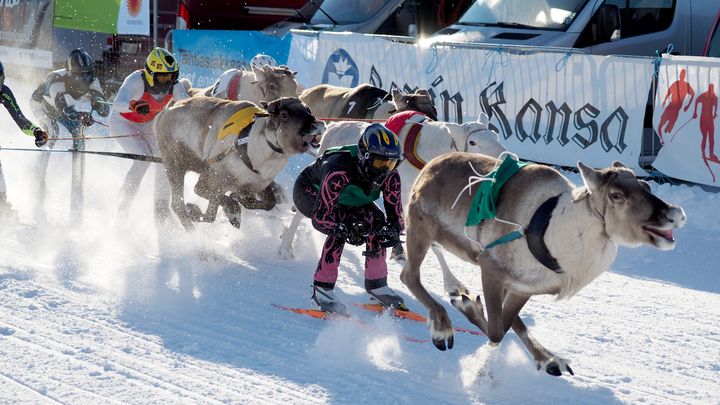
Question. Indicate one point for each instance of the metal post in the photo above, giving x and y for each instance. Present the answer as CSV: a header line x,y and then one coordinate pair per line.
x,y
155,23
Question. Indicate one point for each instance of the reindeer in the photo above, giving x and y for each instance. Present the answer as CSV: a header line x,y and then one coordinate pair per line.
x,y
236,147
571,236
261,84
365,102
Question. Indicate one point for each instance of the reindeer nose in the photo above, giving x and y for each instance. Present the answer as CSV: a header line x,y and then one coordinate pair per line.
x,y
674,214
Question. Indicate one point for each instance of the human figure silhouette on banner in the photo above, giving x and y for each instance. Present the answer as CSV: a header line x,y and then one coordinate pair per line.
x,y
708,113
676,93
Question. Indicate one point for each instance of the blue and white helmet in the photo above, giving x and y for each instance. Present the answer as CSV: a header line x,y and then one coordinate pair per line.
x,y
379,153
260,60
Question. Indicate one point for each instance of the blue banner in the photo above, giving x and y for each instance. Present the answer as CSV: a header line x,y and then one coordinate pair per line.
x,y
205,54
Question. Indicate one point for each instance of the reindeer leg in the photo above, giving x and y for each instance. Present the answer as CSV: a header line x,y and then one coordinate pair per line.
x,y
544,359
493,291
177,189
452,285
286,239
264,200
439,323
232,210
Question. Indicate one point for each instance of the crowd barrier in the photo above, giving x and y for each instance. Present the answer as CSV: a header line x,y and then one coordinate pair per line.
x,y
550,105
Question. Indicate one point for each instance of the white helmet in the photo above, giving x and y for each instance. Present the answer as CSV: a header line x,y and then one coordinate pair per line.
x,y
260,60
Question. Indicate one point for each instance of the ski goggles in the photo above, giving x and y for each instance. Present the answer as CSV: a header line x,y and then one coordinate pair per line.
x,y
164,77
381,163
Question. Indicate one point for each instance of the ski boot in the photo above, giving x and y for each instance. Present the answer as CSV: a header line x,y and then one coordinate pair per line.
x,y
386,297
327,301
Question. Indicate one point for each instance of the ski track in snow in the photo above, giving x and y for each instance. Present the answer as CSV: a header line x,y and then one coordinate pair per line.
x,y
105,311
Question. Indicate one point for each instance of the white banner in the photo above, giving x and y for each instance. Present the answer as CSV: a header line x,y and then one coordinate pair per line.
x,y
686,118
549,107
134,17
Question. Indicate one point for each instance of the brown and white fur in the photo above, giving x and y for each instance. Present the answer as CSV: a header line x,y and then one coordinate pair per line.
x,y
332,102
587,225
187,135
266,84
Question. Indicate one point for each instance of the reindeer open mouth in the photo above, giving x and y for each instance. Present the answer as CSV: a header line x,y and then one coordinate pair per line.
x,y
666,234
311,140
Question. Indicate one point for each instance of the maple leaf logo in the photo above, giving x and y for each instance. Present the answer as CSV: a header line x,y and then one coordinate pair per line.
x,y
341,66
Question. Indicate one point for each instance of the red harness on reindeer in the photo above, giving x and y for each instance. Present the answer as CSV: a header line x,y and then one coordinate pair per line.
x,y
412,122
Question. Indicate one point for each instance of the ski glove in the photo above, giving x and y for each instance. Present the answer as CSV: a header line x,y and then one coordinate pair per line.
x,y
41,137
355,234
70,112
85,119
141,107
101,106
387,236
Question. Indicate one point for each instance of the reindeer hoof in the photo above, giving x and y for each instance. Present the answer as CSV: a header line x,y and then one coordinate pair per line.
x,y
398,253
235,222
556,366
440,343
194,213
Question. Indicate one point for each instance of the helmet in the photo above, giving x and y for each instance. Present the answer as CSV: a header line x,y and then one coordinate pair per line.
x,y
2,75
260,60
81,67
160,62
378,153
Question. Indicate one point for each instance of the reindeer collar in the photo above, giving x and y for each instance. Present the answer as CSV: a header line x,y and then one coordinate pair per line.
x,y
535,234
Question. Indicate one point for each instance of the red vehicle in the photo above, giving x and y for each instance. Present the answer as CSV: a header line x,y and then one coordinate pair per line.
x,y
712,45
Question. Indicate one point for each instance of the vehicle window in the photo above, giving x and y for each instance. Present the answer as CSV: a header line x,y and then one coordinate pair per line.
x,y
638,17
714,48
546,14
347,11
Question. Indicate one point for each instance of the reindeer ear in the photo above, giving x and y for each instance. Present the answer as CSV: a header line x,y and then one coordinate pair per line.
x,y
620,164
422,92
483,120
264,105
396,94
591,177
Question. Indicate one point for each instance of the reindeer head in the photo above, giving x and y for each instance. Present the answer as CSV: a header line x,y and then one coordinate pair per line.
x,y
295,127
419,101
632,214
275,82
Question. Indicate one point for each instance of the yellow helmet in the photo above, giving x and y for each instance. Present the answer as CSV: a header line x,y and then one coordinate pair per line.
x,y
161,61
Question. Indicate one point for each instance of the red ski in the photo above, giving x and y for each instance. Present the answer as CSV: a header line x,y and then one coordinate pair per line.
x,y
318,314
411,315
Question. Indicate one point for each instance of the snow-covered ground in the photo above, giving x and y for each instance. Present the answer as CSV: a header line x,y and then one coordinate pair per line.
x,y
105,311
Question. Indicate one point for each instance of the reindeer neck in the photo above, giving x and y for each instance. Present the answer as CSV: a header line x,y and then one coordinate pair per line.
x,y
263,144
576,237
383,111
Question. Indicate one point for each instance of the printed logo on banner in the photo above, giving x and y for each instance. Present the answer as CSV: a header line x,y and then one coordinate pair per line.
x,y
341,70
134,7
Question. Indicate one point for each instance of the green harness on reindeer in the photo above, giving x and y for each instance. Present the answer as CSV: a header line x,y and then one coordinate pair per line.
x,y
484,203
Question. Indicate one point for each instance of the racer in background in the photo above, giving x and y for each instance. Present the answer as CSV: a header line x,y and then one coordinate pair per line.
x,y
143,94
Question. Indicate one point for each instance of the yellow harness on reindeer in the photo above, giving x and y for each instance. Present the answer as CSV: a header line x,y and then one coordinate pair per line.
x,y
239,121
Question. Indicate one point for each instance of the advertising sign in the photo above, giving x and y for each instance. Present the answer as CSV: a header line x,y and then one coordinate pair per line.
x,y
204,55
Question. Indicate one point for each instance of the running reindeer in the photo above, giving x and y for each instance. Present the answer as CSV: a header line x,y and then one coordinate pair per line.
x,y
571,236
365,102
236,147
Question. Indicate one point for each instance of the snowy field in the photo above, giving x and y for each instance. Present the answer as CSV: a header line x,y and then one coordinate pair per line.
x,y
102,310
